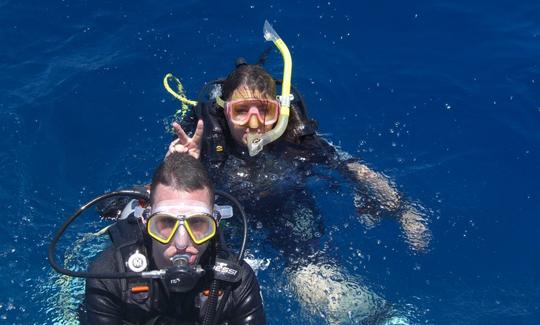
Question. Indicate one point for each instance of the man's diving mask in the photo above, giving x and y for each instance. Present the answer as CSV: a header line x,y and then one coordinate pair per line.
x,y
167,217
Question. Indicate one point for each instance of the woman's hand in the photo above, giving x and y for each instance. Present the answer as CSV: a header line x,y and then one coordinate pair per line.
x,y
415,228
185,144
380,187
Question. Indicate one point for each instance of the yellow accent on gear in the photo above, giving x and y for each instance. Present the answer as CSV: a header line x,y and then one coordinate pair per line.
x,y
220,102
287,72
255,143
180,95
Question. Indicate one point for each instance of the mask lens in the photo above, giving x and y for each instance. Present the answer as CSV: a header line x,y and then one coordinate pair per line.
x,y
240,112
162,227
201,227
271,111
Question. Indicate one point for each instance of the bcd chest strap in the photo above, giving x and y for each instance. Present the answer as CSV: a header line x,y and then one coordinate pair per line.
x,y
131,254
226,273
215,130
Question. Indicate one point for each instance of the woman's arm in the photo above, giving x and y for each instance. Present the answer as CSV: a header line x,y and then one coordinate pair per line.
x,y
379,186
375,193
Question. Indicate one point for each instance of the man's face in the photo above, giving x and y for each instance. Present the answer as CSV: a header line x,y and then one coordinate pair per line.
x,y
181,242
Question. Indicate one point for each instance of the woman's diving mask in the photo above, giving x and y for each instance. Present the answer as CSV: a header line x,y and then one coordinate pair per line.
x,y
240,111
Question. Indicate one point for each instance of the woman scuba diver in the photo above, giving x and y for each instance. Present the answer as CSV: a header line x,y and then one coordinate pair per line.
x,y
239,112
262,148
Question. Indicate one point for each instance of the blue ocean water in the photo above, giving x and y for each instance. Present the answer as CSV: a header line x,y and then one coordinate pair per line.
x,y
441,96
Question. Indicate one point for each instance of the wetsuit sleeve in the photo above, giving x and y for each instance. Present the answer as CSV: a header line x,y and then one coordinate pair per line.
x,y
246,299
318,150
103,296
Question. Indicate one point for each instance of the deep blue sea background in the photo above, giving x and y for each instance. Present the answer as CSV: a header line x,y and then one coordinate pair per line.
x,y
441,96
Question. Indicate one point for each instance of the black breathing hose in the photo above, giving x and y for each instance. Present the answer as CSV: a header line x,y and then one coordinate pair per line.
x,y
213,296
242,217
211,303
124,275
54,241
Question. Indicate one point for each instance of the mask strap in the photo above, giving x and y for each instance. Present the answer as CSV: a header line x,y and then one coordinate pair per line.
x,y
220,102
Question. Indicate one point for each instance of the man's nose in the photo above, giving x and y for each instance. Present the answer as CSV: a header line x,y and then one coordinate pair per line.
x,y
181,238
253,122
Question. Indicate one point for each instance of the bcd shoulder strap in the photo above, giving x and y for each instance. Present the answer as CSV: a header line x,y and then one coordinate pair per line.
x,y
128,240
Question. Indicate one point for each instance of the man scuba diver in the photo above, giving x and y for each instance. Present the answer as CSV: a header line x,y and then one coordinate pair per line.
x,y
181,237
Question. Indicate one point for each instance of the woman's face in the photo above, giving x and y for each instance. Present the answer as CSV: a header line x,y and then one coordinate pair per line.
x,y
239,132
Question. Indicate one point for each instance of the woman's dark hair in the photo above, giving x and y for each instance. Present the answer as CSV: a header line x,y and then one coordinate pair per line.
x,y
257,79
253,76
183,173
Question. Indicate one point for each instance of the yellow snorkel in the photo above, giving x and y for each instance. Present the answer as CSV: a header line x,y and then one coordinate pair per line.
x,y
256,142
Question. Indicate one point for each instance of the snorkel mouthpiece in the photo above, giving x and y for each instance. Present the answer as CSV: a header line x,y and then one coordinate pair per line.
x,y
181,277
256,142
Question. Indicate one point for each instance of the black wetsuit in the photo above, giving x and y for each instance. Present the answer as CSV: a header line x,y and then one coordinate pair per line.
x,y
272,185
275,187
272,188
107,301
